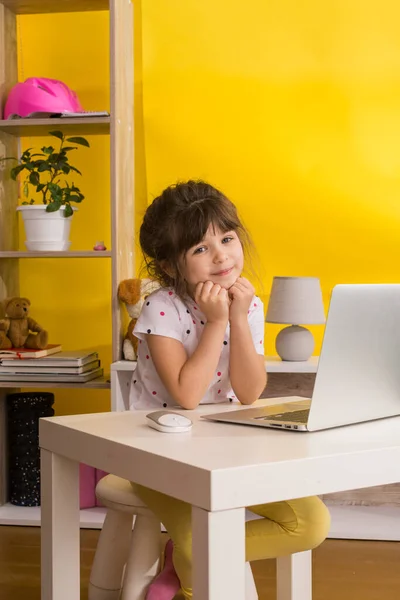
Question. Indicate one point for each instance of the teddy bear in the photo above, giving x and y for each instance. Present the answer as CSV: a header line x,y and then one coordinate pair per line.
x,y
17,328
133,292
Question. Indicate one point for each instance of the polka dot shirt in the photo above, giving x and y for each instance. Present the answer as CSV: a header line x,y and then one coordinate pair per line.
x,y
165,314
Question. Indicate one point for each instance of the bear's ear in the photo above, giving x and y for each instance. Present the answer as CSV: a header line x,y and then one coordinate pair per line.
x,y
129,291
26,300
5,304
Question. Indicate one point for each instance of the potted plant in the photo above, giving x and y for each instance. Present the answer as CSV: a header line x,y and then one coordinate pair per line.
x,y
47,225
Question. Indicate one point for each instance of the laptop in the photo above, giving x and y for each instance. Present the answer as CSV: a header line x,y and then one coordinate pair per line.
x,y
358,376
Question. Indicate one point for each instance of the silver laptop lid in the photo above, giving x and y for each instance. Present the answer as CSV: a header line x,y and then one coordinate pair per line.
x,y
358,376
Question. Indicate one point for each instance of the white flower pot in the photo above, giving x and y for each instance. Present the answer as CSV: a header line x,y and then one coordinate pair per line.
x,y
45,230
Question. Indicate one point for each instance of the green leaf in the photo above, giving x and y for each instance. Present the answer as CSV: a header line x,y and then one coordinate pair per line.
x,y
75,170
34,178
68,148
60,164
66,169
57,134
68,212
74,198
79,140
48,149
37,163
26,189
15,171
43,167
53,206
40,187
25,156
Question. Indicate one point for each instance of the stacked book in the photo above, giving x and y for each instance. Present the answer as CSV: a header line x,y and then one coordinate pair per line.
x,y
49,365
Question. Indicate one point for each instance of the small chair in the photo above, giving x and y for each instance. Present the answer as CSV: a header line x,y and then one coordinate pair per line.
x,y
126,561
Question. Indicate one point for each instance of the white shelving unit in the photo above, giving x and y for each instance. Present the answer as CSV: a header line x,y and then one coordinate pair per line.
x,y
119,127
121,375
91,518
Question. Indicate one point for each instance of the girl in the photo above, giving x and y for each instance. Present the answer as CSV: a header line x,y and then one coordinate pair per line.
x,y
201,340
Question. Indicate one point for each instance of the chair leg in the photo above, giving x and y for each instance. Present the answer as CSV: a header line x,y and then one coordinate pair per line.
x,y
144,558
251,590
294,576
111,555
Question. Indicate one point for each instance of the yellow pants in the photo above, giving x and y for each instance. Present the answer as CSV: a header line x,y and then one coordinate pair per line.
x,y
287,527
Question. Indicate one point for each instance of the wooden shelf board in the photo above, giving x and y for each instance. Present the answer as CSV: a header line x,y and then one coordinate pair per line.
x,y
66,254
41,127
26,7
99,383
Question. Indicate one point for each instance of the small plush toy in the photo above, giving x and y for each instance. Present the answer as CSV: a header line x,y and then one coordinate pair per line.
x,y
133,293
18,329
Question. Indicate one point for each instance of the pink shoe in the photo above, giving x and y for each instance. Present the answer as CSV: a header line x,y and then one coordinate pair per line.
x,y
166,585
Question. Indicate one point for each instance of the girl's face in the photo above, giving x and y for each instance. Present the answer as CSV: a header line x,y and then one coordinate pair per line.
x,y
217,258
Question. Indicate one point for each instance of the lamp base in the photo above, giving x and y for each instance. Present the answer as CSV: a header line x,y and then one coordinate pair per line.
x,y
294,343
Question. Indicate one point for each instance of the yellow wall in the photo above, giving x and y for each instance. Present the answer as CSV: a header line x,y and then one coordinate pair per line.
x,y
291,108
71,298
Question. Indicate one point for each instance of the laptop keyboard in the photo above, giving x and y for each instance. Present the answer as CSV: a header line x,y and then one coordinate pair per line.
x,y
297,416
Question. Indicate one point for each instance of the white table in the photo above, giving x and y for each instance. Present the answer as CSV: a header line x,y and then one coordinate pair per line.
x,y
218,468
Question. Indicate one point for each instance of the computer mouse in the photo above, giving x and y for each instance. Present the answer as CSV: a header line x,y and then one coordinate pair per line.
x,y
168,421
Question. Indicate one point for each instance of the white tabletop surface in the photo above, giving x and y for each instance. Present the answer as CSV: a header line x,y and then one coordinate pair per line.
x,y
218,466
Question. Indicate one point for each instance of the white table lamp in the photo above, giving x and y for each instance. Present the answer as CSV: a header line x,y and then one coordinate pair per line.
x,y
295,300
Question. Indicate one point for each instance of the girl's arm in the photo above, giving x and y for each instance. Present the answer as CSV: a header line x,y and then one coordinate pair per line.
x,y
187,379
246,366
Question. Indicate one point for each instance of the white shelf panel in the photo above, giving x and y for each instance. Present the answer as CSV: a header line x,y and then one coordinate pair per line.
x,y
123,365
41,127
365,523
348,522
26,7
273,364
90,518
56,254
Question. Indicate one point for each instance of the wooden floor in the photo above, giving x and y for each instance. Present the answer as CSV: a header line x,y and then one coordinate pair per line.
x,y
342,570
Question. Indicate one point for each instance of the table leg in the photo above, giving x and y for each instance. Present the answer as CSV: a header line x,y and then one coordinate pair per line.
x,y
294,577
60,527
218,554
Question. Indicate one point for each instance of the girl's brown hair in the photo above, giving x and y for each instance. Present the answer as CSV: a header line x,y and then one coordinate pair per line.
x,y
177,220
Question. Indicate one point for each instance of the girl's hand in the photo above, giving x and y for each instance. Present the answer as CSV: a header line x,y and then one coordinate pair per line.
x,y
213,301
241,294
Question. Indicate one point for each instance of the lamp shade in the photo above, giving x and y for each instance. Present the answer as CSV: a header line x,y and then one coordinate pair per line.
x,y
295,301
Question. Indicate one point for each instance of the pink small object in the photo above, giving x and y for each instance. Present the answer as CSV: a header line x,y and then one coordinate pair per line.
x,y
41,94
99,246
166,585
87,484
99,475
